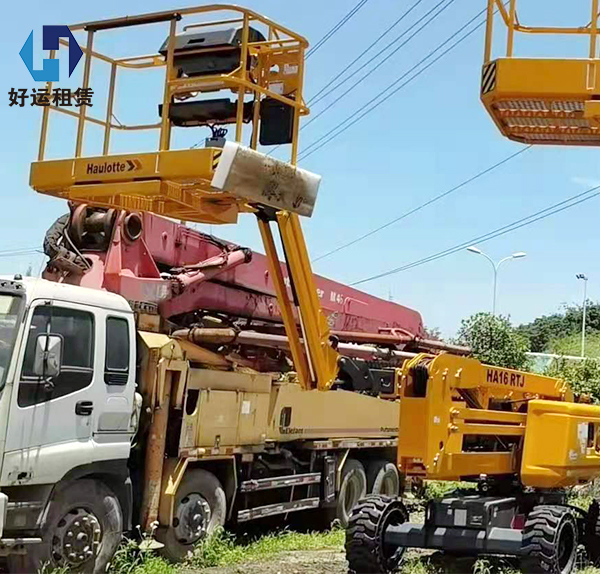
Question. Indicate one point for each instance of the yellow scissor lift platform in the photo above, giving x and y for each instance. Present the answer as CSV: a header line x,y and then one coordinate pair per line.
x,y
542,100
259,63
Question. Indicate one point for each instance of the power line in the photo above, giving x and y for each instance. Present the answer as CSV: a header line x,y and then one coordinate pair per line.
x,y
20,253
380,37
17,250
537,216
325,139
384,60
427,203
372,70
316,99
336,28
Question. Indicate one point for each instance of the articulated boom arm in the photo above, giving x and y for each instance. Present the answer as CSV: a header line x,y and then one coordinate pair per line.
x,y
258,59
475,420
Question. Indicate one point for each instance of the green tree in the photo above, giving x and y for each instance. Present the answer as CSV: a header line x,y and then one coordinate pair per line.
x,y
544,330
433,334
583,376
494,341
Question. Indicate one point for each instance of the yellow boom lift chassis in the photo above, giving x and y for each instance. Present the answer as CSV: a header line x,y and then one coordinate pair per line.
x,y
521,438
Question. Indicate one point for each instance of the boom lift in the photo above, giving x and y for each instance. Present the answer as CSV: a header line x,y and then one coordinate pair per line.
x,y
521,438
131,388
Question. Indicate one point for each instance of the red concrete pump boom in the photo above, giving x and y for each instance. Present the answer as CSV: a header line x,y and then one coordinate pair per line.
x,y
158,262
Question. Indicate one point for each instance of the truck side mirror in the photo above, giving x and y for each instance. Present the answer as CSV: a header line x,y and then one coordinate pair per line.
x,y
48,356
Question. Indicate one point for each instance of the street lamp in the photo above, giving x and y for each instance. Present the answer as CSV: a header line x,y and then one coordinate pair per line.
x,y
496,266
584,278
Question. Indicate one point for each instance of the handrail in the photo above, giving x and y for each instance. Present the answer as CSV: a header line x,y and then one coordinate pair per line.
x,y
165,16
511,20
280,40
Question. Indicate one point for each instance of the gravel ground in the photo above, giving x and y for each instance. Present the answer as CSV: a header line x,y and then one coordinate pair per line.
x,y
314,562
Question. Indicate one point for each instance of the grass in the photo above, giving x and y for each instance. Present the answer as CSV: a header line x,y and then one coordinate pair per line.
x,y
226,549
223,549
571,345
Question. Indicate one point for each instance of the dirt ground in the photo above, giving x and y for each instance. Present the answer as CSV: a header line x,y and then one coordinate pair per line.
x,y
313,562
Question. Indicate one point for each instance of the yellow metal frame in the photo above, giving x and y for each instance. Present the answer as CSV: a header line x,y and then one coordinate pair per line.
x,y
463,400
281,42
542,100
177,183
511,20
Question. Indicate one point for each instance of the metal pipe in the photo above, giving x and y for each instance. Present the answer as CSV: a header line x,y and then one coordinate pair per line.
x,y
239,116
109,108
214,266
45,117
367,352
226,335
165,129
155,456
594,29
384,339
86,84
489,30
511,29
163,16
296,111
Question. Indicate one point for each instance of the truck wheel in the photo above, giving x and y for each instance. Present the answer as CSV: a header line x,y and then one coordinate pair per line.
x,y
383,478
365,548
200,508
353,487
549,541
82,530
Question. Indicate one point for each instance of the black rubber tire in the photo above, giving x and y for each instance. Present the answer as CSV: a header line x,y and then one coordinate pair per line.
x,y
550,540
207,485
592,533
353,487
96,498
365,550
383,478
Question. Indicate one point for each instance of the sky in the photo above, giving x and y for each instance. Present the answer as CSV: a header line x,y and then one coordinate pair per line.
x,y
427,138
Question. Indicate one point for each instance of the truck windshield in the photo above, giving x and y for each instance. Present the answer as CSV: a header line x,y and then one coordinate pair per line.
x,y
9,313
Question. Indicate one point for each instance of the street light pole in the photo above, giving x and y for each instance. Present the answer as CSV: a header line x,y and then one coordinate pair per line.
x,y
495,267
584,278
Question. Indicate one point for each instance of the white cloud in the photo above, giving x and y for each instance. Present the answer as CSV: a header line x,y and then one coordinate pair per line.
x,y
586,181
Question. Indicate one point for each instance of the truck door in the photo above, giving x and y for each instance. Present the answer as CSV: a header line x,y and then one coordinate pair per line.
x,y
51,422
113,430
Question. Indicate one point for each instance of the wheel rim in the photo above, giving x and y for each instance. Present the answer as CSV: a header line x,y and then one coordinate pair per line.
x,y
352,493
191,519
388,486
566,546
77,538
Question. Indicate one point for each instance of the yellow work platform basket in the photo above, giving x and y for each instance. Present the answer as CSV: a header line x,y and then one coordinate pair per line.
x,y
539,100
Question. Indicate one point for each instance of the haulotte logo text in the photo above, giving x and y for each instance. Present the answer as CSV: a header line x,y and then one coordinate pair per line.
x,y
48,93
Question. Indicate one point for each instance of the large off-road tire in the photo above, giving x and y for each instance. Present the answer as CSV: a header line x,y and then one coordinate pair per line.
x,y
592,533
383,478
200,508
82,530
365,549
550,540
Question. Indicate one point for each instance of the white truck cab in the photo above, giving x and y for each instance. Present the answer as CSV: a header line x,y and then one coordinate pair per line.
x,y
67,412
